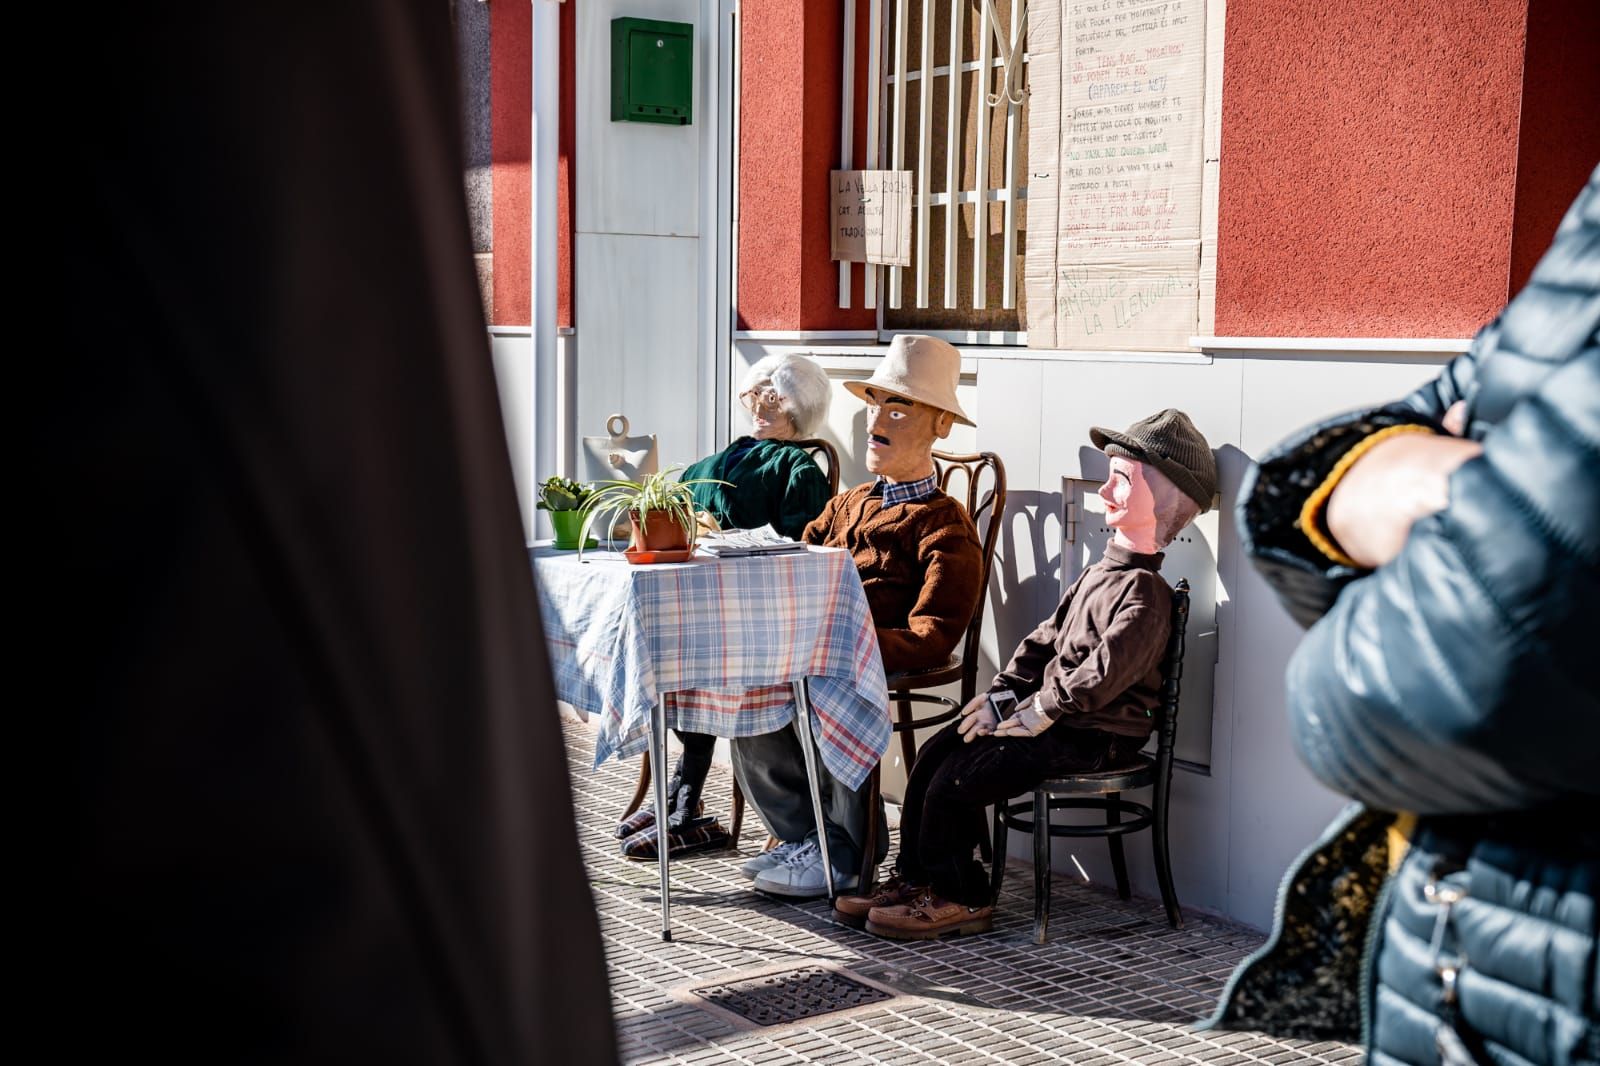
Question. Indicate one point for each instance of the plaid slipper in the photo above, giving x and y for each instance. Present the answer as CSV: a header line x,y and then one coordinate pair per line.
x,y
643,818
704,834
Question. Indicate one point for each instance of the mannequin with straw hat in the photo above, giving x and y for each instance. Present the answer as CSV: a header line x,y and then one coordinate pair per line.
x,y
920,565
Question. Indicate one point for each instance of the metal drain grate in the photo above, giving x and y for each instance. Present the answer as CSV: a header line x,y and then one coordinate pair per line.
x,y
791,995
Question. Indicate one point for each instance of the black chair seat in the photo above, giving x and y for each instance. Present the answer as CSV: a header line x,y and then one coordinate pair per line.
x,y
1136,772
932,677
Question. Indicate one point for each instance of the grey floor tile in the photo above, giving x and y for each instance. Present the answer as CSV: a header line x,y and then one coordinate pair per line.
x,y
1114,985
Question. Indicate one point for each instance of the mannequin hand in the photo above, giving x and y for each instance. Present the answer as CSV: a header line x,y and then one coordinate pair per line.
x,y
706,523
977,719
1028,721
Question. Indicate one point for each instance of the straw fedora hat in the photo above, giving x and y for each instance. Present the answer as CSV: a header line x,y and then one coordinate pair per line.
x,y
920,368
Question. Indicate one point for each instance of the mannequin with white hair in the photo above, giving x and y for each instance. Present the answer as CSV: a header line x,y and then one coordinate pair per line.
x,y
762,478
769,480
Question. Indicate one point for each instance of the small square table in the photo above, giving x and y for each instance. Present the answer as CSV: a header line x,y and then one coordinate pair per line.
x,y
730,647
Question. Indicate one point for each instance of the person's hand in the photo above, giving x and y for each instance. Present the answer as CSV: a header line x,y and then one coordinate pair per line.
x,y
1400,480
1028,721
977,718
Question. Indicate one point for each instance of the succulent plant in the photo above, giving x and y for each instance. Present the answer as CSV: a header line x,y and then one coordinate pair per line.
x,y
562,494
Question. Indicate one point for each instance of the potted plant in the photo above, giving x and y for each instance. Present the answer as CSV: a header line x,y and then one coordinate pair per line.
x,y
564,498
660,510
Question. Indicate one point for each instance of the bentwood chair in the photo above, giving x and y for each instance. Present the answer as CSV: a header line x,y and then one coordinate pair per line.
x,y
986,507
825,456
1102,790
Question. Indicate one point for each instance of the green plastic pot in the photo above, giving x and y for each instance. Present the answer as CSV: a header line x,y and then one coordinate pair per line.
x,y
568,524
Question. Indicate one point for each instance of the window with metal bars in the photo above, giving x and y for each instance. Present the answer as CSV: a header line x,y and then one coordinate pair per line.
x,y
949,105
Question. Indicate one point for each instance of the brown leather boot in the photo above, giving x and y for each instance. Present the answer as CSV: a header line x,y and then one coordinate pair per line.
x,y
928,918
852,910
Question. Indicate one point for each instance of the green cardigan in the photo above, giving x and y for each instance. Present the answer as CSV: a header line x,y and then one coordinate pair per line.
x,y
775,481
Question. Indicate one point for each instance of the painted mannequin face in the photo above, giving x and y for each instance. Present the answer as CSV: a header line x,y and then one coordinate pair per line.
x,y
1130,506
900,436
1139,499
768,419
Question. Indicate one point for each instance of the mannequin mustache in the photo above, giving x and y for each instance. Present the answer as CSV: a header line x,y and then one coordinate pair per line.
x,y
877,438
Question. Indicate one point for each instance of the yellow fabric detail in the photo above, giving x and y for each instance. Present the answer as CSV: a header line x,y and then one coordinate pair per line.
x,y
1400,830
1309,521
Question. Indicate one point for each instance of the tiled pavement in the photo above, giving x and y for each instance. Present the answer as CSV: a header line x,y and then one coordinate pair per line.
x,y
1114,985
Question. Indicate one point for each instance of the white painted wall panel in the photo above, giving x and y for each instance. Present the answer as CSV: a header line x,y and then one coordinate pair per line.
x,y
638,320
1235,831
633,177
1276,807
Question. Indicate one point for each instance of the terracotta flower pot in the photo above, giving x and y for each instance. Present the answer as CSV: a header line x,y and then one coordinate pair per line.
x,y
664,533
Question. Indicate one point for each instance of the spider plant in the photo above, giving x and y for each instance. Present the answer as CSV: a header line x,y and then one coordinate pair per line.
x,y
658,494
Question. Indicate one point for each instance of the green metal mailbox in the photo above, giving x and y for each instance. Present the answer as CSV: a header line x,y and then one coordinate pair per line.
x,y
652,71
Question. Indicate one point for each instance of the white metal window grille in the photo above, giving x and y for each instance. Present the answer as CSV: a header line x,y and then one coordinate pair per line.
x,y
948,103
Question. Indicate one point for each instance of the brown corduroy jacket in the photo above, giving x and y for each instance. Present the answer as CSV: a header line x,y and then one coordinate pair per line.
x,y
920,564
1096,661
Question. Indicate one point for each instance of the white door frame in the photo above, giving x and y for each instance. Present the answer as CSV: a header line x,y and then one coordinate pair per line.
x,y
719,92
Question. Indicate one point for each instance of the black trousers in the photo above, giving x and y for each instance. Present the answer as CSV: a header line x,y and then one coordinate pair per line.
x,y
953,782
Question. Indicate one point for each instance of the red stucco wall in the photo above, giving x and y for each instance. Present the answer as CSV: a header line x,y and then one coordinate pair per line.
x,y
511,127
1369,160
789,141
1559,143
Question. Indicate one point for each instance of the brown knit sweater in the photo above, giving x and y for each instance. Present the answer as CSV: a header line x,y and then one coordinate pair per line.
x,y
920,564
1096,662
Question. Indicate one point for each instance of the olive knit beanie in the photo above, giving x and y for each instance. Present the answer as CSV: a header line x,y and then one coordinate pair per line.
x,y
1171,443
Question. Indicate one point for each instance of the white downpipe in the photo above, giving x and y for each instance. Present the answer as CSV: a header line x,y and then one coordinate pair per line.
x,y
542,406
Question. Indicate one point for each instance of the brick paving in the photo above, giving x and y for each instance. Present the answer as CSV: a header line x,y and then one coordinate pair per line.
x,y
1114,985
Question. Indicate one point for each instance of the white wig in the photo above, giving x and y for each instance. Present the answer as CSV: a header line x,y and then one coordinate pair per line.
x,y
803,389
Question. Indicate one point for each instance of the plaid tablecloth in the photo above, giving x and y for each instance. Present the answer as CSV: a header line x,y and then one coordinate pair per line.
x,y
718,642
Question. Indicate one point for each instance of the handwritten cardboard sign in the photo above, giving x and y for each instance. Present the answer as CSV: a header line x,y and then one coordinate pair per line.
x,y
1114,234
871,213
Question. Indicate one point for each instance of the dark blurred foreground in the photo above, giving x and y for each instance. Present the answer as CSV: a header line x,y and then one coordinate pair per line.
x,y
321,809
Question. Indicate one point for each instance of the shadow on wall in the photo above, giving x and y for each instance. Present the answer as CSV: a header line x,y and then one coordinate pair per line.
x,y
1019,601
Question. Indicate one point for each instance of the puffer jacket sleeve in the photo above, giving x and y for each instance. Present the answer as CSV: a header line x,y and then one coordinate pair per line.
x,y
1458,678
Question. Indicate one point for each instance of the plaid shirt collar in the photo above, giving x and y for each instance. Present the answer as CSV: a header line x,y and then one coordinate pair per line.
x,y
907,491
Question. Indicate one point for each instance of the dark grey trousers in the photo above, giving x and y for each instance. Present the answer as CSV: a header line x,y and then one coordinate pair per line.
x,y
771,770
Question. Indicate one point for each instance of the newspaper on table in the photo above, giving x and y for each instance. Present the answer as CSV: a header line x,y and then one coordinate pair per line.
x,y
741,543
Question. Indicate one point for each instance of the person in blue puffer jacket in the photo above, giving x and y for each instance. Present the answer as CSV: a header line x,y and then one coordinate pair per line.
x,y
1445,552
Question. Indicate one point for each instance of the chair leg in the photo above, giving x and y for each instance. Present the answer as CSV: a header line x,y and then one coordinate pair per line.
x,y
869,844
643,788
1119,865
997,872
908,736
1041,866
1169,894
737,817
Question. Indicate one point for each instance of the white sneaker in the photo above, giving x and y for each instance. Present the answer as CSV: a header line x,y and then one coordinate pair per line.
x,y
800,876
752,868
